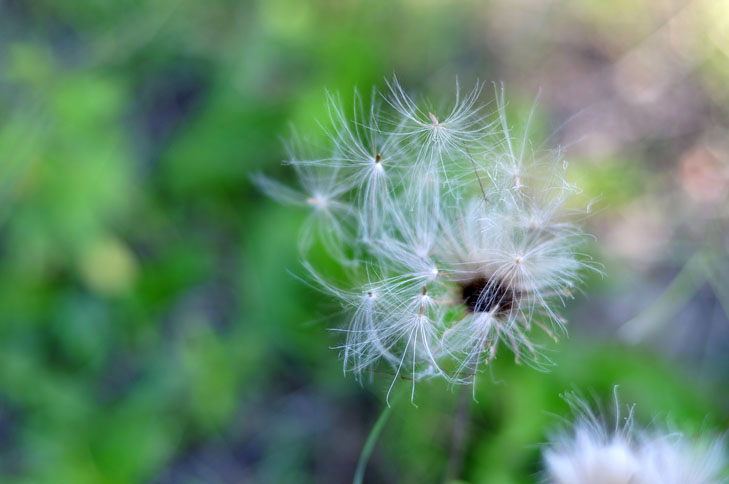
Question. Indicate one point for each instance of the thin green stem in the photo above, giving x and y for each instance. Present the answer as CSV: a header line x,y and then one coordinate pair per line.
x,y
371,441
459,437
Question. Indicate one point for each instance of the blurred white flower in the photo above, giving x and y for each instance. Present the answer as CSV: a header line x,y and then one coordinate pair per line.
x,y
596,453
453,235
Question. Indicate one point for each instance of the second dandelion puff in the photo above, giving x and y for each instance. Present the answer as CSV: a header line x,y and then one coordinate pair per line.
x,y
454,235
595,452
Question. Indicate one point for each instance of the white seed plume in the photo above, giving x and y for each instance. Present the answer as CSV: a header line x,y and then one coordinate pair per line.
x,y
454,241
595,453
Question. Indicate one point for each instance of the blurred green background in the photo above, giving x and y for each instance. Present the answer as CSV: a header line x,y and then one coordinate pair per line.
x,y
150,330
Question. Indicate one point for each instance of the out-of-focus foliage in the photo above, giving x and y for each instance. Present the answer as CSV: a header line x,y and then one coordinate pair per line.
x,y
149,329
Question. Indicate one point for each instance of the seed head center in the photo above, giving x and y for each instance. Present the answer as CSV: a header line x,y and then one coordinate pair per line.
x,y
485,295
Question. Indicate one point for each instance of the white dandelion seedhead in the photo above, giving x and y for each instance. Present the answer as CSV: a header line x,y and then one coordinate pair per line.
x,y
598,453
454,235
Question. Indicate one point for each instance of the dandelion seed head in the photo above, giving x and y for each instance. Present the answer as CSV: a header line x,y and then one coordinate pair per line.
x,y
595,452
452,233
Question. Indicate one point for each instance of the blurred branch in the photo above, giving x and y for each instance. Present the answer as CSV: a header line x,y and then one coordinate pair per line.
x,y
715,268
459,437
683,287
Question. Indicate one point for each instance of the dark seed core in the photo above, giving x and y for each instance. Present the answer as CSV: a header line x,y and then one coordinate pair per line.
x,y
483,295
